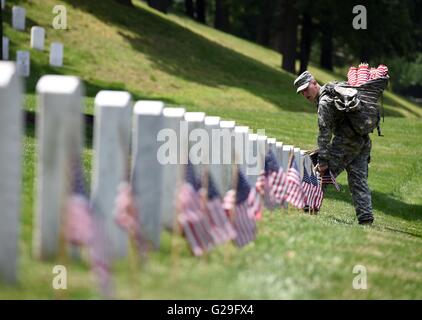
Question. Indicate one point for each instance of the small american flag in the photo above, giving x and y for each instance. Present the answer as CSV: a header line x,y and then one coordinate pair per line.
x,y
328,178
317,193
191,216
218,217
294,193
277,179
78,215
307,188
82,229
245,210
126,215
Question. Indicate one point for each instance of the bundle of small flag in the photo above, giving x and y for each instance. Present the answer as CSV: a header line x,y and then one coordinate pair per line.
x,y
362,74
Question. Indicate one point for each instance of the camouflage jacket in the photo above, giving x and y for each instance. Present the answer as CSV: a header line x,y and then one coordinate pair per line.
x,y
336,137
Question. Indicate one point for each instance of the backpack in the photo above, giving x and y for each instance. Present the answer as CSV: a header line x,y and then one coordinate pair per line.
x,y
360,103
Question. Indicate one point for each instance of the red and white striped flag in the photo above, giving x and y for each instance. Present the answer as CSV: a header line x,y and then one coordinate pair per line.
x,y
243,205
352,76
363,74
294,192
192,217
220,223
83,230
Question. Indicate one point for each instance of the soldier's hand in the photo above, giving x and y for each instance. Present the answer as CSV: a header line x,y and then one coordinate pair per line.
x,y
321,168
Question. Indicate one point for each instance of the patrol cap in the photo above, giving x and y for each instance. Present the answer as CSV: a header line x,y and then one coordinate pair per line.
x,y
302,82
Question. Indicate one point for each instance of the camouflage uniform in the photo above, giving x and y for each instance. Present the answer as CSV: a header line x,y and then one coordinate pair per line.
x,y
347,150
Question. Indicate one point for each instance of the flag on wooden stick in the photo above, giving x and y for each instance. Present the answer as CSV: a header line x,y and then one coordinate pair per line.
x,y
191,216
244,204
82,228
294,193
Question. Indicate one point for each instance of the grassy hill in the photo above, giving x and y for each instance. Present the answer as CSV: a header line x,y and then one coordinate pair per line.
x,y
174,59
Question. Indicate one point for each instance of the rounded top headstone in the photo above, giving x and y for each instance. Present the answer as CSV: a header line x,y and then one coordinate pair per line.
x,y
58,84
7,71
149,107
227,124
108,98
212,121
195,116
174,112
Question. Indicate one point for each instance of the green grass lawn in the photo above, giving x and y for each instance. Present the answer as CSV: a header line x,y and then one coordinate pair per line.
x,y
295,255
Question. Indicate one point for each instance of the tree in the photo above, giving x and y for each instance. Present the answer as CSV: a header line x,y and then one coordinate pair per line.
x,y
265,21
222,15
1,33
189,8
126,2
305,41
160,5
200,9
290,20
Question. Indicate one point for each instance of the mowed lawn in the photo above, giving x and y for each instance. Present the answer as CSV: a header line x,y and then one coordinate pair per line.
x,y
295,255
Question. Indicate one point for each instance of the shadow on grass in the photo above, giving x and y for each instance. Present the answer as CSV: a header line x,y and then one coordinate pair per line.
x,y
30,126
184,54
386,203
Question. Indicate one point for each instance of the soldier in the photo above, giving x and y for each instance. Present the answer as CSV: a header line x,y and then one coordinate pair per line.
x,y
340,146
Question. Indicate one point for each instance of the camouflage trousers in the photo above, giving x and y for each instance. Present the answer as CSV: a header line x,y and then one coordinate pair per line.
x,y
354,158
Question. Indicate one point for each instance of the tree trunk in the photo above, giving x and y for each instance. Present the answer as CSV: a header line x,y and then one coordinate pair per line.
x,y
290,36
189,8
221,16
160,5
126,2
326,60
305,42
200,11
1,33
264,22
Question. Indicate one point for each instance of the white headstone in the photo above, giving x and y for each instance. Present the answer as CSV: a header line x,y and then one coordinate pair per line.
x,y
308,164
56,54
195,120
227,152
252,170
10,168
286,156
299,160
147,171
279,152
111,165
60,136
212,125
5,48
240,148
18,18
23,63
3,4
37,38
272,144
173,170
262,151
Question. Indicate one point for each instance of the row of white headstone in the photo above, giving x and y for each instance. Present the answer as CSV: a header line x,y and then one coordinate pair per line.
x,y
122,131
23,57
